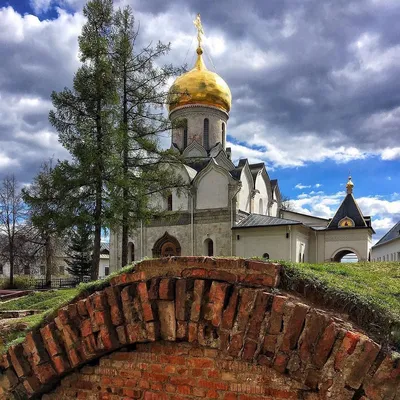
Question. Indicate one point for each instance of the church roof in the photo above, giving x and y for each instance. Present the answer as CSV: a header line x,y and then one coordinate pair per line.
x,y
255,220
255,169
393,234
274,182
350,209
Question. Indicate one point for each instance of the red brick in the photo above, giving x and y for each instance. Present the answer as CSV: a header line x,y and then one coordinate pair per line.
x,y
347,348
144,299
180,299
216,299
198,292
229,314
294,327
325,344
167,289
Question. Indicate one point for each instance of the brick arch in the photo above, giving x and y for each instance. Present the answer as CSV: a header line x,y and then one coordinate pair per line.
x,y
230,305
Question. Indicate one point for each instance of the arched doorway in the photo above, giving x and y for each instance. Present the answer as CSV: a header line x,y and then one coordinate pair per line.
x,y
166,246
345,256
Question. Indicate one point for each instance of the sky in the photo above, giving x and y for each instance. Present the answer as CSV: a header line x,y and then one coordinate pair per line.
x,y
315,87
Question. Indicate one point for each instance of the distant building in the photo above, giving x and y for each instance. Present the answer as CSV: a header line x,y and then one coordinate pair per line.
x,y
37,268
388,248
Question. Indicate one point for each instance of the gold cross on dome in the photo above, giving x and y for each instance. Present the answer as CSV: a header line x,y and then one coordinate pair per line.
x,y
199,26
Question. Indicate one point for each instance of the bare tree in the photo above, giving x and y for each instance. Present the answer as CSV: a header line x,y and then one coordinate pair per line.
x,y
13,213
286,203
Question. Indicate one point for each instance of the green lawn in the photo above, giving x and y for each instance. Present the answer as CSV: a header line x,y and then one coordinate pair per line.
x,y
47,302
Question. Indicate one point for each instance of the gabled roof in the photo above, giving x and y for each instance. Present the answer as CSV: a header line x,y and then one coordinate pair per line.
x,y
255,169
258,220
393,234
348,208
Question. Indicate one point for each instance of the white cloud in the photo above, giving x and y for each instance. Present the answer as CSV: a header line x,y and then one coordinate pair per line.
x,y
301,186
318,185
391,154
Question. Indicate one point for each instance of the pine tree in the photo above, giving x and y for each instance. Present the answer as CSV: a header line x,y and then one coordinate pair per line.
x,y
84,119
80,251
144,168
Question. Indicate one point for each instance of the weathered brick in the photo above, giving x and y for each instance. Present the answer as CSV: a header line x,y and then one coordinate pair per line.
x,y
229,314
166,314
294,326
147,310
19,361
215,304
325,344
166,289
180,299
198,292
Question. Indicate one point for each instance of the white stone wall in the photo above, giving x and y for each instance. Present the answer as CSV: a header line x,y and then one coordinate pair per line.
x,y
244,199
355,240
387,252
254,242
195,116
262,195
213,190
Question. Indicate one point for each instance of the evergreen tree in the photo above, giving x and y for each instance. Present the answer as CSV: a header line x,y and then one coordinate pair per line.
x,y
80,251
144,168
84,119
42,198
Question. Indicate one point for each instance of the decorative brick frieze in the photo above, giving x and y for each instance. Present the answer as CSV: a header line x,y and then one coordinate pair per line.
x,y
227,311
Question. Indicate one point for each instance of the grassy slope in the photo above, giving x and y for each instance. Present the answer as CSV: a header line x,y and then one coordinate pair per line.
x,y
369,292
374,287
43,301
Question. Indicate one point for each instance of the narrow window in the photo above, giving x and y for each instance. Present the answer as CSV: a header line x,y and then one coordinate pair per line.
x,y
1,269
260,207
169,202
206,140
210,248
223,135
185,134
106,271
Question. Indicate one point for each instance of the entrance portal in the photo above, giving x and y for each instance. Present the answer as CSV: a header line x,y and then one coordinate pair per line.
x,y
345,256
166,246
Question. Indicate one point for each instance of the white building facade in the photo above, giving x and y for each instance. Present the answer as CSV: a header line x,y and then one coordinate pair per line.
x,y
388,247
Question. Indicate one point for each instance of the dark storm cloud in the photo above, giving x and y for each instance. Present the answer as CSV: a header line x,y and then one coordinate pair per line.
x,y
297,68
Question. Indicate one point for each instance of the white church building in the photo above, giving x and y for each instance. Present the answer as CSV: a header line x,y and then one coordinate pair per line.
x,y
233,210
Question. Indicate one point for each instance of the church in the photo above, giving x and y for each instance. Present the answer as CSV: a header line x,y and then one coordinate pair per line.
x,y
233,209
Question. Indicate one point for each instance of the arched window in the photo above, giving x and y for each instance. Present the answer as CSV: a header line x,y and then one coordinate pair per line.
x,y
209,247
185,133
169,202
260,206
266,256
206,134
131,252
223,135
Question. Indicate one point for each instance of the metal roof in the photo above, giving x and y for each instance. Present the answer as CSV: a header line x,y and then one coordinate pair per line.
x,y
254,220
394,233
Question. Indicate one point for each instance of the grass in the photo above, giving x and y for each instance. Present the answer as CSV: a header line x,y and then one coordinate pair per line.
x,y
368,291
47,302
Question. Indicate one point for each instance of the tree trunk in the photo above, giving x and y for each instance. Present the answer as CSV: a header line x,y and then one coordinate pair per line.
x,y
99,196
11,265
125,194
49,260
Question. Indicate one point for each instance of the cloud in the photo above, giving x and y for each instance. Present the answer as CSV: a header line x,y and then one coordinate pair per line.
x,y
300,186
318,185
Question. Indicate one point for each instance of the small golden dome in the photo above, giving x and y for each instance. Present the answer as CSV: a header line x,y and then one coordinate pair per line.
x,y
200,86
349,185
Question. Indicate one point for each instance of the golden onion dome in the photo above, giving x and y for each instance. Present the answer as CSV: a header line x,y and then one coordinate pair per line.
x,y
201,87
